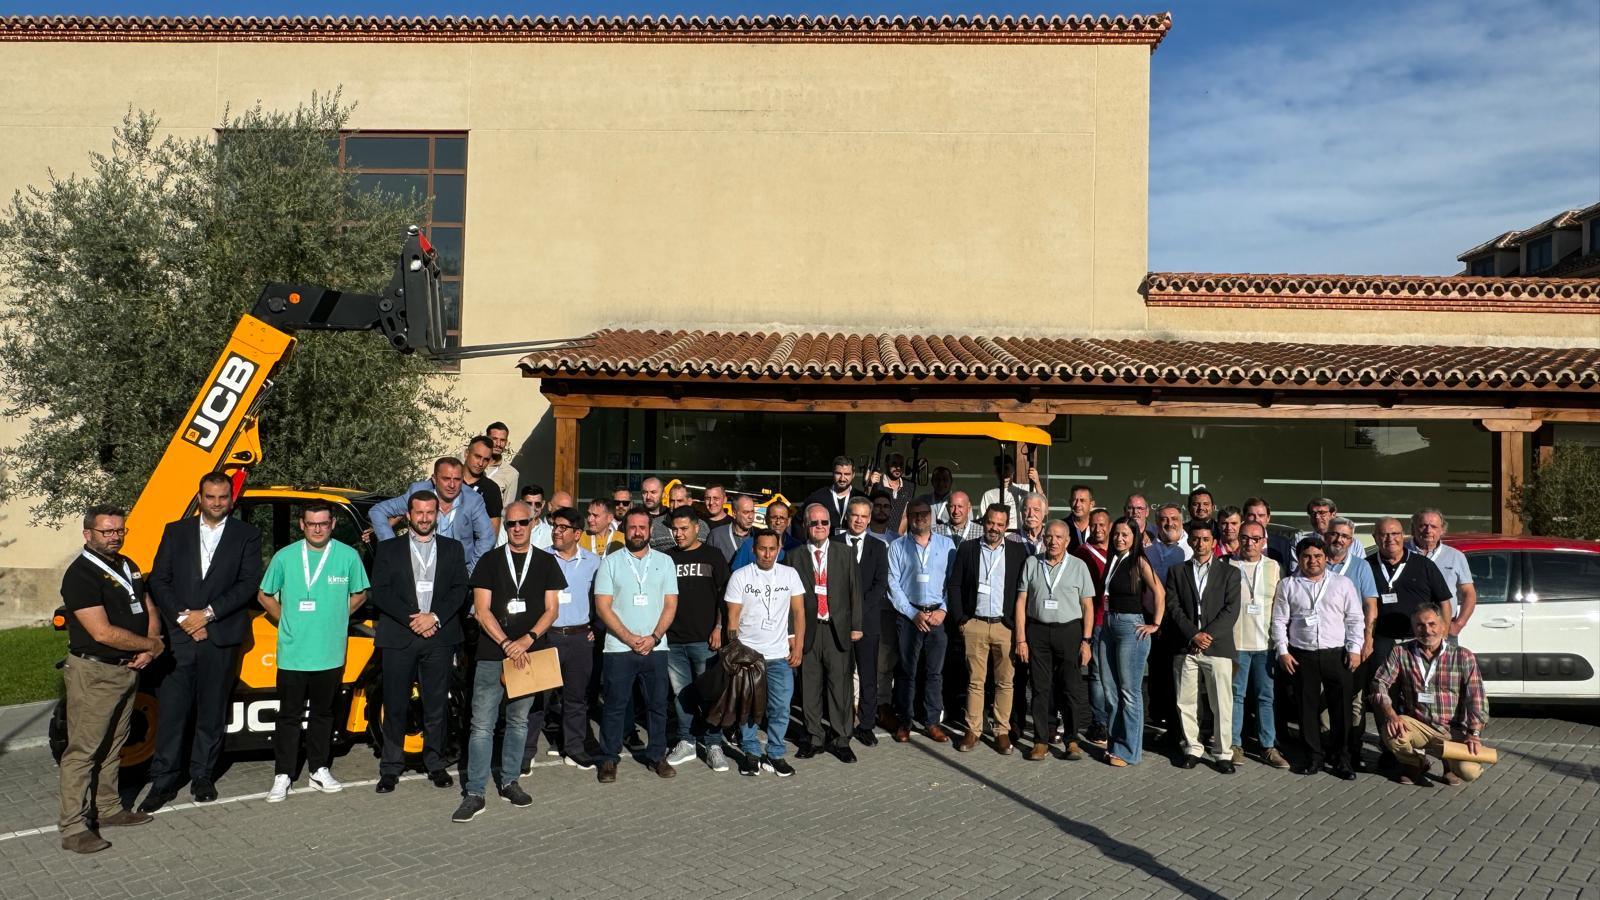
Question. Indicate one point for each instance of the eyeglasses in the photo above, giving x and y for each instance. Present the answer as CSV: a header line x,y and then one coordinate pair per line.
x,y
109,532
520,523
1251,539
563,527
316,524
819,523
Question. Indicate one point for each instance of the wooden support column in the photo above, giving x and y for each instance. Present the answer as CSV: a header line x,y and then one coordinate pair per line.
x,y
1510,468
566,461
1018,455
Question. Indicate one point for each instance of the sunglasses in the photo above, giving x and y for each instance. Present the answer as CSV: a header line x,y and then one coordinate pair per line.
x,y
819,522
518,523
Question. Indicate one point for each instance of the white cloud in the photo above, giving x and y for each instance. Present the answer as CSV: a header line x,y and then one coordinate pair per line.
x,y
1387,141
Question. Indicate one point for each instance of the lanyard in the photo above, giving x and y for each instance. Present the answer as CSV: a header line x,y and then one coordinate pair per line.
x,y
1322,587
922,554
1392,577
1111,572
638,574
125,578
424,561
305,565
1427,674
983,557
1255,577
518,577
1202,572
1097,554
207,555
1050,583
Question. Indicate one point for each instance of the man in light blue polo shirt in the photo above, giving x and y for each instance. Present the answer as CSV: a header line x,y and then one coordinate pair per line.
x,y
573,639
918,564
635,596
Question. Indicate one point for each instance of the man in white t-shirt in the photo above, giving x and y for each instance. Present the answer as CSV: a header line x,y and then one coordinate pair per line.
x,y
766,612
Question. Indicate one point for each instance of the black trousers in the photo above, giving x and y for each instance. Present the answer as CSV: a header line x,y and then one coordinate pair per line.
x,y
1360,680
427,665
825,686
577,662
304,697
1053,654
199,684
866,653
1320,675
1163,688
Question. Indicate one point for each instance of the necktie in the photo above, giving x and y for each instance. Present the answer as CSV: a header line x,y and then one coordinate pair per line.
x,y
822,583
855,544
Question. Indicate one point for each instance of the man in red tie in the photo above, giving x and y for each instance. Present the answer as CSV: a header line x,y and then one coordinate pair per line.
x,y
827,569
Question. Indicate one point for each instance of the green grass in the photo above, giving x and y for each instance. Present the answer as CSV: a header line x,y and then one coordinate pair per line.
x,y
28,659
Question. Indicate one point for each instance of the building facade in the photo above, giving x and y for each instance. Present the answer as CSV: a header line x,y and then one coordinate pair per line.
x,y
781,232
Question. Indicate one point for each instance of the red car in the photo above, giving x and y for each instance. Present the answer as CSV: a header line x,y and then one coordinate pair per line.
x,y
1536,630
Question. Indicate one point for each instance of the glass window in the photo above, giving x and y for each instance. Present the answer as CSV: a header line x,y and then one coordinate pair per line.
x,y
1482,266
1541,254
449,198
447,246
1573,575
411,188
450,153
385,152
1491,574
1594,235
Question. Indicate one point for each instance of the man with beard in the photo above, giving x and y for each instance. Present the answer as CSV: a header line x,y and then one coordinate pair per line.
x,y
835,498
474,476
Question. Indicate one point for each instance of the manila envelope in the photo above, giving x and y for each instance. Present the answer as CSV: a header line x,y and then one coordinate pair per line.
x,y
542,673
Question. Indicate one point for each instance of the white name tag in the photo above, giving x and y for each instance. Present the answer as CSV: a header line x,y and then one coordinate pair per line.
x,y
308,606
516,608
1253,609
564,597
136,606
1052,604
922,578
641,599
983,589
424,587
1426,697
822,590
1389,598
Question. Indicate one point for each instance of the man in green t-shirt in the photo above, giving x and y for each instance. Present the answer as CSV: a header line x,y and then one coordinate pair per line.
x,y
310,589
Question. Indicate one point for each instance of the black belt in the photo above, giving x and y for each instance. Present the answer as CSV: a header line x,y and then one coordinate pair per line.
x,y
570,629
933,608
103,660
992,620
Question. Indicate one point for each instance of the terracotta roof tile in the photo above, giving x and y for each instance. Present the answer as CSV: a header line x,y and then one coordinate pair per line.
x,y
1417,293
803,357
1076,29
1504,241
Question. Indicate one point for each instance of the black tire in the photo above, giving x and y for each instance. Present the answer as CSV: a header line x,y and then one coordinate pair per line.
x,y
58,730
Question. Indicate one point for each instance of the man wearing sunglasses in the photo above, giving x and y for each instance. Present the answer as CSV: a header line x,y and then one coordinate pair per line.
x,y
827,571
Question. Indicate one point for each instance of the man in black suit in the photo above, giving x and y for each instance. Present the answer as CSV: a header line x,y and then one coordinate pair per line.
x,y
833,627
835,498
1202,606
419,586
205,574
986,572
872,582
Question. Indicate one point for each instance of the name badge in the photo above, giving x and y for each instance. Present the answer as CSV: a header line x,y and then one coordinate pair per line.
x,y
136,606
516,608
1052,604
922,578
641,599
983,589
424,587
1389,598
822,590
308,606
1426,697
1253,609
564,597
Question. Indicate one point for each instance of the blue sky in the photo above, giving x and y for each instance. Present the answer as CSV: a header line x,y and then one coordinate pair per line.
x,y
1355,137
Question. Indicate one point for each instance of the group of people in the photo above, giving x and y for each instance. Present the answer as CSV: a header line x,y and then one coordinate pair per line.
x,y
853,596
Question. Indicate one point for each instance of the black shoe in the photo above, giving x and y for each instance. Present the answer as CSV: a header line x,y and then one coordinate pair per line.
x,y
440,778
807,751
1342,773
844,754
471,807
779,766
1359,766
580,761
1307,769
514,794
1225,766
607,773
1188,762
865,738
157,799
749,765
203,791
386,784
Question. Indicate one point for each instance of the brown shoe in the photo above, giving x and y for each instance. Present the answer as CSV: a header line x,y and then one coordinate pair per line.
x,y
1039,750
1074,752
902,735
1275,759
1116,761
1413,777
125,817
1452,778
1002,744
607,773
968,741
84,842
937,735
664,768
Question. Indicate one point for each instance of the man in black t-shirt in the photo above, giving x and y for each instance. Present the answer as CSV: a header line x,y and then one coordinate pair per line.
x,y
515,595
111,635
695,634
474,474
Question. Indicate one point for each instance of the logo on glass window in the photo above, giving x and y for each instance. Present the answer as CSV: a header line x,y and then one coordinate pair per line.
x,y
1184,475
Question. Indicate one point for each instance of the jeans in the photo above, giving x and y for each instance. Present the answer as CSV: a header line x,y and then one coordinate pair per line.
x,y
487,692
1100,680
780,691
1124,655
1255,668
928,646
619,672
685,663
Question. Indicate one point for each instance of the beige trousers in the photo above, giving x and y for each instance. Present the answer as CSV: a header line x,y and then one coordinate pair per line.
x,y
987,642
99,707
1420,737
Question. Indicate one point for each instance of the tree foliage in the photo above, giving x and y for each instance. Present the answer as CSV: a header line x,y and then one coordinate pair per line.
x,y
1562,498
121,287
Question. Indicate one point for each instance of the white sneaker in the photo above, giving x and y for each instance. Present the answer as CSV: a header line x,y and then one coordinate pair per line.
x,y
681,754
716,759
323,780
280,789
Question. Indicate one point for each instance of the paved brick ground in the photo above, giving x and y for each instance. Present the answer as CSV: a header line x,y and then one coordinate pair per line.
x,y
914,821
